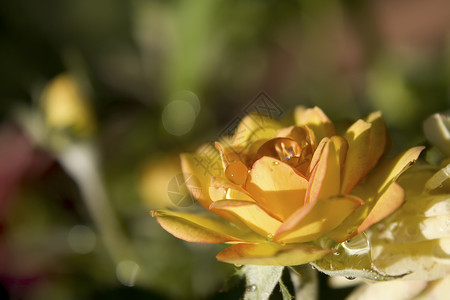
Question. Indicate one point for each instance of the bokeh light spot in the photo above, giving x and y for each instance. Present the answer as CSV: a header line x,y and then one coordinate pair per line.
x,y
81,239
126,272
178,117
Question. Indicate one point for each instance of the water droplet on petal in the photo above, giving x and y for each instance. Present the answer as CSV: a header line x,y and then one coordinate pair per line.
x,y
237,265
350,277
270,236
236,172
251,288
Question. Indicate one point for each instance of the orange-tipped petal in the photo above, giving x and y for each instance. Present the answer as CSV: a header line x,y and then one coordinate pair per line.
x,y
248,213
316,156
202,167
276,187
388,172
200,229
326,176
369,214
254,127
270,254
378,138
357,161
316,218
389,202
378,187
316,120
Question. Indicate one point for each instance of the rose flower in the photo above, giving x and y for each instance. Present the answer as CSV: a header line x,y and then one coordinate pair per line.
x,y
279,190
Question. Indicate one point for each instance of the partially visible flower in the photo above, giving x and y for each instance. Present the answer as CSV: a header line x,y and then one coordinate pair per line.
x,y
437,130
279,190
416,238
66,108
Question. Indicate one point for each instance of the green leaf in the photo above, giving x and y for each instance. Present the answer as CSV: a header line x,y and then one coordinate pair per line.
x,y
352,260
261,280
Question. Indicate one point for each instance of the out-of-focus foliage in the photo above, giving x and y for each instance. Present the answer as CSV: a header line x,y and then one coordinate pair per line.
x,y
163,77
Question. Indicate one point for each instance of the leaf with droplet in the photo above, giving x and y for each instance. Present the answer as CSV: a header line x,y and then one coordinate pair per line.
x,y
261,280
352,260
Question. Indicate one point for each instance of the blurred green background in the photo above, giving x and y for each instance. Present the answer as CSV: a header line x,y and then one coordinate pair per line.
x,y
156,78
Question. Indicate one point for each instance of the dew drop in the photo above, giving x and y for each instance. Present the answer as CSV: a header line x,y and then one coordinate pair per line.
x,y
275,163
251,288
237,265
270,236
350,277
236,172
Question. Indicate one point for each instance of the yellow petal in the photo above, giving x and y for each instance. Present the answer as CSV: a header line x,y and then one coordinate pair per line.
x,y
222,189
202,167
377,138
326,176
382,177
271,254
389,202
378,187
254,127
316,218
316,156
316,120
357,160
276,187
248,213
369,214
201,229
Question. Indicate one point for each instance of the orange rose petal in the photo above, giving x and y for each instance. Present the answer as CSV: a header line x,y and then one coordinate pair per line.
x,y
356,163
200,166
377,138
389,202
317,218
270,254
374,189
248,213
316,120
366,216
316,156
326,177
200,229
222,189
276,187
